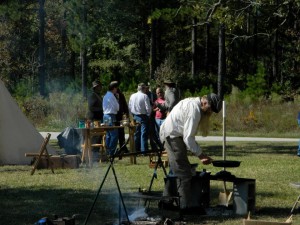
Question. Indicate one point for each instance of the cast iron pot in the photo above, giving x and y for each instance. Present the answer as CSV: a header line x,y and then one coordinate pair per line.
x,y
226,163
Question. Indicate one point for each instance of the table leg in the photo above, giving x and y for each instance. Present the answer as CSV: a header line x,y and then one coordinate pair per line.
x,y
85,146
89,152
132,144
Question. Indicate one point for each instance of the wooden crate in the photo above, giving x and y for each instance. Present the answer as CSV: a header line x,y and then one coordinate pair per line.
x,y
60,162
263,222
249,221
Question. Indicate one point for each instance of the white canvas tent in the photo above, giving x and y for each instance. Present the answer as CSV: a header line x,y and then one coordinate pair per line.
x,y
17,135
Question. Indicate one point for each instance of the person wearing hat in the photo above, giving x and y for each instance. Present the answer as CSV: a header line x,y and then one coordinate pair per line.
x,y
172,97
110,109
178,133
140,108
95,111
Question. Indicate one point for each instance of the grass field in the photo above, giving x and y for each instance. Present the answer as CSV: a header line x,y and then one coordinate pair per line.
x,y
24,199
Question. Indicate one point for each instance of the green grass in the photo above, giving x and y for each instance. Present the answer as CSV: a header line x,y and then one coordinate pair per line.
x,y
24,198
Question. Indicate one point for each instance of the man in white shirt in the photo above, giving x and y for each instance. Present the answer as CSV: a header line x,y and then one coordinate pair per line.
x,y
140,108
110,110
178,132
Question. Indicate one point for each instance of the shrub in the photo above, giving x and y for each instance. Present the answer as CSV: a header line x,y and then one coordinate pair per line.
x,y
36,109
66,109
256,84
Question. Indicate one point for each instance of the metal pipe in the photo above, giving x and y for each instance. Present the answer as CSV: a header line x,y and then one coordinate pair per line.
x,y
224,131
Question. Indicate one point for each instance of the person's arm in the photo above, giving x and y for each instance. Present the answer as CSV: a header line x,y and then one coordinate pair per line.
x,y
161,106
148,105
190,131
115,103
129,106
205,159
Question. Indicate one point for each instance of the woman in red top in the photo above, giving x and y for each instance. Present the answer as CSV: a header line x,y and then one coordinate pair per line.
x,y
160,115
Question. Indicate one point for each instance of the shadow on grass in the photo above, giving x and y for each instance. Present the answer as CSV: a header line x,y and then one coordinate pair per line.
x,y
252,148
25,206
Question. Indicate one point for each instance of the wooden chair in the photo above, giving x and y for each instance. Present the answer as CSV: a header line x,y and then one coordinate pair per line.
x,y
153,160
94,133
42,153
102,151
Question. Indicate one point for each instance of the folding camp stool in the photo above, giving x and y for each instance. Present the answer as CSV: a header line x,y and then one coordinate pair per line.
x,y
296,185
42,153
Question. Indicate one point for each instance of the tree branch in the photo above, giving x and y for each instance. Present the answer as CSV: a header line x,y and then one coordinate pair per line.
x,y
246,37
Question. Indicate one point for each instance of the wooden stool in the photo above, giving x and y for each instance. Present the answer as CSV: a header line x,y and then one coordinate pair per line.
x,y
42,153
296,185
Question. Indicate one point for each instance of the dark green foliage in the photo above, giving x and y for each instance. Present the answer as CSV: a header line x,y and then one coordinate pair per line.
x,y
256,84
117,37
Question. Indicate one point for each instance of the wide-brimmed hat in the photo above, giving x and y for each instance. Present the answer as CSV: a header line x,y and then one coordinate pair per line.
x,y
96,83
168,81
114,84
215,102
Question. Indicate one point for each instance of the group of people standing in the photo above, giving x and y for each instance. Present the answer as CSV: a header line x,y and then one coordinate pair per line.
x,y
148,109
177,123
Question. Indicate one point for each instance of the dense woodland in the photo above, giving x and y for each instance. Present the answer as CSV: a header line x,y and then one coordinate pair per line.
x,y
63,45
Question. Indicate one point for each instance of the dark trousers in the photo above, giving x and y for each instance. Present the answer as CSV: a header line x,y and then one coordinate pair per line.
x,y
181,168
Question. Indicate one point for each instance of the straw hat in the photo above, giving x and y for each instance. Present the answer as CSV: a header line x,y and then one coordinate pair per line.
x,y
96,83
168,82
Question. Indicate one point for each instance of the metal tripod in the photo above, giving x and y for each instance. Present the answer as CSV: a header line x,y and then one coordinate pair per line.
x,y
111,166
158,163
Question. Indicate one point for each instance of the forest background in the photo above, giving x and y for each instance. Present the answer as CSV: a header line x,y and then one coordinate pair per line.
x,y
246,51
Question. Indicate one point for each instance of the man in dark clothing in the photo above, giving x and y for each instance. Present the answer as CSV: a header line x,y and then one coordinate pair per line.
x,y
123,112
95,112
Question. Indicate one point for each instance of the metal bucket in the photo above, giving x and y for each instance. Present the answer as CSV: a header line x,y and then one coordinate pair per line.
x,y
171,186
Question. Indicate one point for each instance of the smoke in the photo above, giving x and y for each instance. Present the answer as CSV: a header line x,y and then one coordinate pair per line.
x,y
138,214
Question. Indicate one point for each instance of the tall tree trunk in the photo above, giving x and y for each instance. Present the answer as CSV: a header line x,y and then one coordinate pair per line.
x,y
153,57
207,47
275,55
194,48
83,54
275,60
160,47
41,66
63,44
72,70
221,61
255,39
143,38
84,72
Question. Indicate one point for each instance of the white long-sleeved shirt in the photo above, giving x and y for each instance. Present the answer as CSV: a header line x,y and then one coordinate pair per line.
x,y
183,121
110,103
139,103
